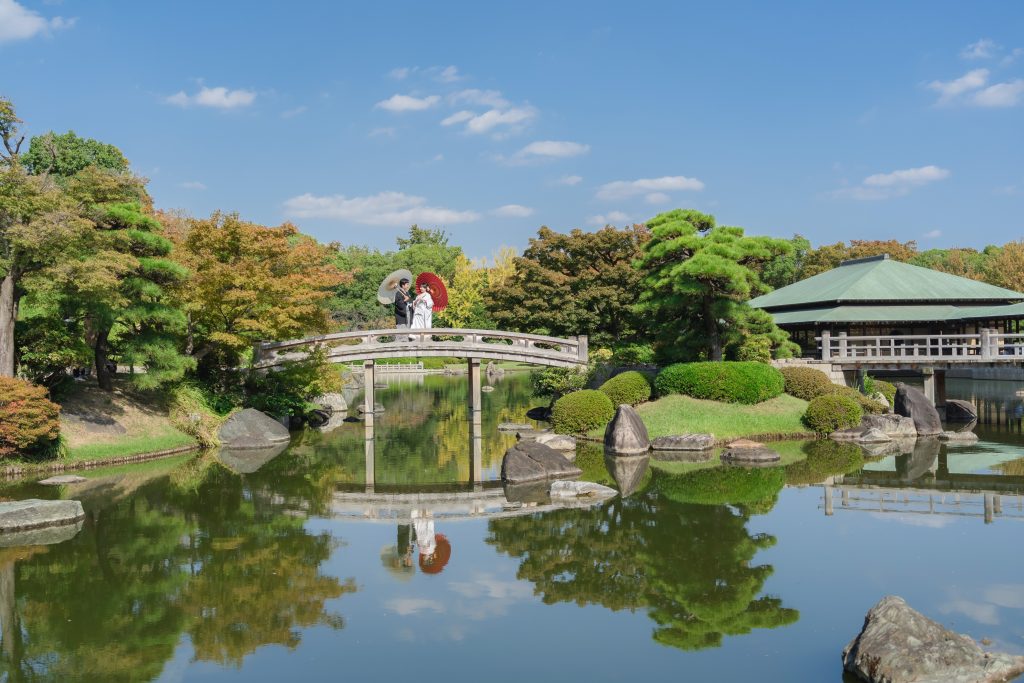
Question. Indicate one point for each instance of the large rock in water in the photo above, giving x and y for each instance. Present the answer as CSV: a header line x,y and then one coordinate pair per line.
x,y
22,515
532,461
626,433
747,452
898,644
912,403
896,426
250,428
960,411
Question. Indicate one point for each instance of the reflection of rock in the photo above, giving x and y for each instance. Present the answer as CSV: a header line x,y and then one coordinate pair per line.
x,y
912,403
514,427
960,411
893,447
580,489
627,470
62,479
248,460
493,371
920,461
874,436
959,438
531,461
21,515
898,644
745,451
683,456
487,388
626,433
377,408
337,419
250,428
332,402
684,442
46,536
529,492
530,434
967,426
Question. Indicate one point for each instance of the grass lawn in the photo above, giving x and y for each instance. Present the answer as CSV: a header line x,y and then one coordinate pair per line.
x,y
133,445
677,414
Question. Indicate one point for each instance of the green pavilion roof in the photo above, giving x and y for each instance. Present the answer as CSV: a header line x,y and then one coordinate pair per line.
x,y
891,314
879,280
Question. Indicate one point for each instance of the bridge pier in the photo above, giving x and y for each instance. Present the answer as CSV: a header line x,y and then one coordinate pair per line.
x,y
473,366
369,454
369,400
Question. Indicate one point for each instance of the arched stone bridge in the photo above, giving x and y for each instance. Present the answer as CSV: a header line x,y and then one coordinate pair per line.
x,y
473,345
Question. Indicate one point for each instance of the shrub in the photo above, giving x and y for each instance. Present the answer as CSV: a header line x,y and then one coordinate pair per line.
x,y
192,412
557,382
886,389
29,421
866,403
580,411
755,347
806,383
633,354
728,381
830,412
628,387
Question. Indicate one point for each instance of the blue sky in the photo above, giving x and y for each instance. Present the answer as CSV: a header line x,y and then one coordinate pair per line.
x,y
868,120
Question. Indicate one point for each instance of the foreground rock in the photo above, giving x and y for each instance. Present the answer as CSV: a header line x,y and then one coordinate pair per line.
x,y
626,433
912,403
22,515
250,428
958,438
960,411
579,489
532,461
514,427
684,442
898,644
62,479
747,452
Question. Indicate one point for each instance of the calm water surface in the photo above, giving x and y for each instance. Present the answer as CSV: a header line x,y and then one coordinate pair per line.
x,y
188,570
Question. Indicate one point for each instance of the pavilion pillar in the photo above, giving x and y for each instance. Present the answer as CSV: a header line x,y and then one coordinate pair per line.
x,y
369,400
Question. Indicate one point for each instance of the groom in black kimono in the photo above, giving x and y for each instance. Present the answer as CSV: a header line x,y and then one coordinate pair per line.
x,y
402,300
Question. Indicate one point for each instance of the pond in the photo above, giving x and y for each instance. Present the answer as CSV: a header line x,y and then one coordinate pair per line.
x,y
186,570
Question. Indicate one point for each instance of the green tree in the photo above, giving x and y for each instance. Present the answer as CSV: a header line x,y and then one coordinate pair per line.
x,y
697,278
575,283
829,256
965,262
785,269
66,154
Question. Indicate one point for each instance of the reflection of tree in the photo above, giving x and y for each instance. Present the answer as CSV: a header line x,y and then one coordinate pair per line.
x,y
756,487
825,458
688,565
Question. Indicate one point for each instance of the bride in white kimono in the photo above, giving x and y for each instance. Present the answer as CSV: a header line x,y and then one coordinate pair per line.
x,y
423,309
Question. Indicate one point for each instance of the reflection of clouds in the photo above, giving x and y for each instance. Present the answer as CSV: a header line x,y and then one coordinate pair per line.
x,y
488,596
1009,595
925,520
407,606
980,612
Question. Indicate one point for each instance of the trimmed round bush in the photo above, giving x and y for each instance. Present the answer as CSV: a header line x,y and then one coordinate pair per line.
x,y
29,421
867,404
830,412
628,387
806,383
581,411
731,382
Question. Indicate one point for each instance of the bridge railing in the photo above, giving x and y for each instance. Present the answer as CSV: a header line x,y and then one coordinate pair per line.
x,y
370,344
984,346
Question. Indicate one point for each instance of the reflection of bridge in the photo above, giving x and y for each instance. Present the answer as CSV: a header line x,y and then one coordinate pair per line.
x,y
473,345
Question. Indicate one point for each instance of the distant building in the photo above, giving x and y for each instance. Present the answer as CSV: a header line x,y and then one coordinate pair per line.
x,y
879,297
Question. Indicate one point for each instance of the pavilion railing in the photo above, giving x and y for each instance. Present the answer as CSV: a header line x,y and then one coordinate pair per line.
x,y
984,346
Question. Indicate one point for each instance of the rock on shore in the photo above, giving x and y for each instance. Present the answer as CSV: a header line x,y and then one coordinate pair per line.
x,y
626,433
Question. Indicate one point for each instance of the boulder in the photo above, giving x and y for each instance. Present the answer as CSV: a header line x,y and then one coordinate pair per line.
x,y
912,403
22,515
530,434
959,438
626,433
541,413
532,461
960,411
331,403
874,436
890,424
627,470
514,427
250,428
898,644
684,442
560,442
492,370
248,460
746,452
851,434
45,536
579,489
318,417
62,479
879,397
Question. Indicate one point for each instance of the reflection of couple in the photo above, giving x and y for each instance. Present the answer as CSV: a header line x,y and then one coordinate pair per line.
x,y
434,549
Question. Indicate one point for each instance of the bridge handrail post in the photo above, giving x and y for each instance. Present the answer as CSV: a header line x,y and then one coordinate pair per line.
x,y
582,348
986,351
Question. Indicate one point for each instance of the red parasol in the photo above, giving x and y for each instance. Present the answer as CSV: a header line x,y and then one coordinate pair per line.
x,y
437,290
436,562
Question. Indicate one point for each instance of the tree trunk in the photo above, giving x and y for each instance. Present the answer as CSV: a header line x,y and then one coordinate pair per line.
x,y
711,325
104,376
8,316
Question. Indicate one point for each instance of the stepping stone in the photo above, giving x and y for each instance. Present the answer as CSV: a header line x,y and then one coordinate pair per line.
x,y
63,479
33,513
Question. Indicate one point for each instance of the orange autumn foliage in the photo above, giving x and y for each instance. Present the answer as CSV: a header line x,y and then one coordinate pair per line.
x,y
28,419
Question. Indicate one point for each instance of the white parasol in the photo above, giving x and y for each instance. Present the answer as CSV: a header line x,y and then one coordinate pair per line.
x,y
389,287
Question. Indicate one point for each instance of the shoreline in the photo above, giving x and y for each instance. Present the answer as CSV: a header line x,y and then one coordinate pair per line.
x,y
720,443
30,469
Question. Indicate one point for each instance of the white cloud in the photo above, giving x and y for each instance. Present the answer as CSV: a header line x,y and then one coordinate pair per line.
x,y
384,208
458,117
657,198
386,132
1014,53
408,103
623,189
569,180
19,23
513,211
950,90
894,184
483,98
611,218
514,117
549,149
193,185
400,73
982,49
407,606
1000,94
449,74
218,98
292,113
933,234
